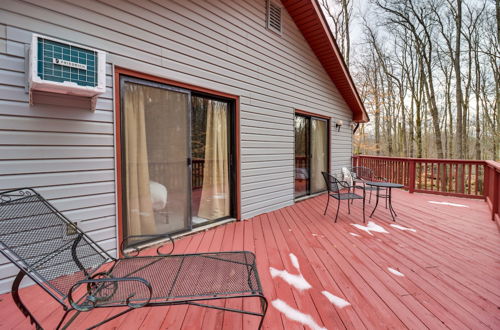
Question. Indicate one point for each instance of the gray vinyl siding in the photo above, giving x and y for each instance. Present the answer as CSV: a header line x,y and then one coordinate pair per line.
x,y
68,154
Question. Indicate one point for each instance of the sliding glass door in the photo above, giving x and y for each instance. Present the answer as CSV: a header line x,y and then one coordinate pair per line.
x,y
176,158
155,126
311,154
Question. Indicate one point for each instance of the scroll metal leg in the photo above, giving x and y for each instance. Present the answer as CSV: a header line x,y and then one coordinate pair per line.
x,y
391,209
376,203
364,201
338,208
386,199
263,305
328,202
18,301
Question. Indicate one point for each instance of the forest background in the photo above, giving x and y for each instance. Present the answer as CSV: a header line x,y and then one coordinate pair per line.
x,y
427,72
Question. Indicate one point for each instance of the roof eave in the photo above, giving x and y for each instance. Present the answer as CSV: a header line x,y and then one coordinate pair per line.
x,y
331,63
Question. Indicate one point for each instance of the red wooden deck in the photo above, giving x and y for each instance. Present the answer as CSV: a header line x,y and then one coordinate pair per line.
x,y
451,268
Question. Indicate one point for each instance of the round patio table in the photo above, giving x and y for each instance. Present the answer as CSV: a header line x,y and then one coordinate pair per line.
x,y
388,186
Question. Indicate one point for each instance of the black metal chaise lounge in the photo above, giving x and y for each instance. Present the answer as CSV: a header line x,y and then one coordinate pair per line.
x,y
82,276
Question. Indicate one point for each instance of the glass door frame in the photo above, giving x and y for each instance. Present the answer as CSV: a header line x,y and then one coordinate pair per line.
x,y
145,82
310,116
118,72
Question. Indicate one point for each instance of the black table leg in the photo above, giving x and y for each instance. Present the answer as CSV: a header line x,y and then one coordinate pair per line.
x,y
391,209
376,203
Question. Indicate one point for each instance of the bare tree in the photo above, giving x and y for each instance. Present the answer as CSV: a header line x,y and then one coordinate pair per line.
x,y
431,77
340,12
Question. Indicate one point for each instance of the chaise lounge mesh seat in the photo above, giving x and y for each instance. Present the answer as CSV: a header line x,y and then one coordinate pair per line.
x,y
82,276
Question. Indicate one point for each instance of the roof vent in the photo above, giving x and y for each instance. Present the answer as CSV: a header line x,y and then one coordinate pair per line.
x,y
274,16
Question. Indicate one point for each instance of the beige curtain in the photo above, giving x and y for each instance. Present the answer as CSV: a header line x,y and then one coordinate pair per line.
x,y
140,216
167,124
319,161
214,201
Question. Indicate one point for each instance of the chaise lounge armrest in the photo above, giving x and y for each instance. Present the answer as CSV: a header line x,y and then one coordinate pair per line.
x,y
103,291
139,246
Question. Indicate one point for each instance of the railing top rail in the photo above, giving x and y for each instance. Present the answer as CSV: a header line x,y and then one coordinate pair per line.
x,y
429,160
492,163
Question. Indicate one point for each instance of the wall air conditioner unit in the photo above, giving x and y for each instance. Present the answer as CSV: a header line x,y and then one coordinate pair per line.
x,y
63,73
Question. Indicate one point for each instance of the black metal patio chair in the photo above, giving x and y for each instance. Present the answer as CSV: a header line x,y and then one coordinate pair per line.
x,y
336,189
360,175
82,276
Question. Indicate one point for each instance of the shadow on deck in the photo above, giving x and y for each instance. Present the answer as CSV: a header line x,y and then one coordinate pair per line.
x,y
450,266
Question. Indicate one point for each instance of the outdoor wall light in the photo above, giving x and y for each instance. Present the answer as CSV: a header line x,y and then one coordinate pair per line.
x,y
338,124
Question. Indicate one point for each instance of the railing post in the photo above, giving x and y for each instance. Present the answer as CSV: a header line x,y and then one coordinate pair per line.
x,y
486,182
411,179
355,160
496,193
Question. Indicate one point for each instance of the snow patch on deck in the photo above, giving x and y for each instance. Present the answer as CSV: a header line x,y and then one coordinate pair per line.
x,y
372,226
395,272
297,281
448,203
403,228
296,315
295,261
337,301
354,234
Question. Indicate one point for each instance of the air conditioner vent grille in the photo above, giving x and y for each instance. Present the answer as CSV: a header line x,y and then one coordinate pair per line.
x,y
61,62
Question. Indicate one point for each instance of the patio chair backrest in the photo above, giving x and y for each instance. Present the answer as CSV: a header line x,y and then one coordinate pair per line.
x,y
43,243
332,183
363,173
347,176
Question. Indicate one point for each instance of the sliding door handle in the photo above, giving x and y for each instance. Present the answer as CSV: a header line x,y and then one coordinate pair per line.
x,y
189,162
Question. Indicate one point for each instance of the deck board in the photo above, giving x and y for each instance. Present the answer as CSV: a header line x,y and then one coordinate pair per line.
x,y
451,268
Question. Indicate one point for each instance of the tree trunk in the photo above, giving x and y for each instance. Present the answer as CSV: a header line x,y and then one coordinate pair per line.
x,y
429,90
459,96
450,116
347,48
458,83
496,130
377,114
411,136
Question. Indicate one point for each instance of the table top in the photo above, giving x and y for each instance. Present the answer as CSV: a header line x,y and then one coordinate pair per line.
x,y
384,184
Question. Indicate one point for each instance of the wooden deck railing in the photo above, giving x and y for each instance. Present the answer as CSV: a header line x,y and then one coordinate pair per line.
x,y
301,162
197,173
492,189
461,178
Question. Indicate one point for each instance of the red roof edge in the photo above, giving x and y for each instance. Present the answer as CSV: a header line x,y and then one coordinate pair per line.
x,y
332,60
